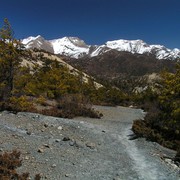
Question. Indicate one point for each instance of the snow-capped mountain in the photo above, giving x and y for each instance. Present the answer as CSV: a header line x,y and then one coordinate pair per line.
x,y
38,42
70,46
77,48
140,47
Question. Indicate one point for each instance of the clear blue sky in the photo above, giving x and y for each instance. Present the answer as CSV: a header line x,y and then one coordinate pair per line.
x,y
96,21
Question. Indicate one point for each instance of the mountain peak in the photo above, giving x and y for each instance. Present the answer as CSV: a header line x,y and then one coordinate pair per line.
x,y
70,46
71,40
76,48
37,42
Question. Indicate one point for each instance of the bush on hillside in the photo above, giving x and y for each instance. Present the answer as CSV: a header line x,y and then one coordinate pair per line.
x,y
9,162
162,122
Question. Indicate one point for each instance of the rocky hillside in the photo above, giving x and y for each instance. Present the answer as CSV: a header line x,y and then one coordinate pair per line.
x,y
113,63
37,57
122,69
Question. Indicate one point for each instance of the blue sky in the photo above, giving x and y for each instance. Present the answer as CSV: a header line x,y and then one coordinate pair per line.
x,y
96,21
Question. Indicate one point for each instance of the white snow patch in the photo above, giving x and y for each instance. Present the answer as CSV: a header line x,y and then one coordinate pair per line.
x,y
75,47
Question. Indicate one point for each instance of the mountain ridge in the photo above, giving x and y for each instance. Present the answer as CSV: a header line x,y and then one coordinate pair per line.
x,y
76,48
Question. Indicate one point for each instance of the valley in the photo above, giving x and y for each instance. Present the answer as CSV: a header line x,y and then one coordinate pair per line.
x,y
78,111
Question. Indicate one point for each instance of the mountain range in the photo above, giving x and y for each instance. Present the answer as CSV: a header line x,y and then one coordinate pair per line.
x,y
76,48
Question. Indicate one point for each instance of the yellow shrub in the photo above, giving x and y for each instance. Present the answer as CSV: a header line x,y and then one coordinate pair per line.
x,y
41,100
22,103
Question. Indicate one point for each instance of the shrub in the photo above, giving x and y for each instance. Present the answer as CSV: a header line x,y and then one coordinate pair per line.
x,y
22,103
76,105
8,164
53,111
41,100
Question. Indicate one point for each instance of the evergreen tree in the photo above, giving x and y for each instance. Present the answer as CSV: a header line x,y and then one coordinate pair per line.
x,y
10,49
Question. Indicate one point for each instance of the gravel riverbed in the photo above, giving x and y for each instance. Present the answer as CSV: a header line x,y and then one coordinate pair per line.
x,y
85,148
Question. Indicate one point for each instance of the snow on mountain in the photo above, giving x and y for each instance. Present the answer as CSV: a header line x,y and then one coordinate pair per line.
x,y
70,46
98,50
38,42
76,48
140,47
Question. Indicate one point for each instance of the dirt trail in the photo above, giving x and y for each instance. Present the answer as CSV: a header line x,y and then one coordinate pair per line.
x,y
84,148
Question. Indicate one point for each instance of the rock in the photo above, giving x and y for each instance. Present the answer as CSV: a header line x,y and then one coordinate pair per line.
x,y
46,125
28,132
72,143
46,145
15,136
57,140
26,158
53,166
37,116
91,145
67,175
60,127
66,139
169,161
40,150
103,131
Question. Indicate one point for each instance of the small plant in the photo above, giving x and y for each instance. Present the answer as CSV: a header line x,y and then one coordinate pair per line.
x,y
77,105
21,103
9,162
41,100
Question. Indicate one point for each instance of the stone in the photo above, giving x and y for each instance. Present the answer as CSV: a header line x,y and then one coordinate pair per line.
x,y
91,145
40,150
66,139
46,125
72,143
60,127
54,165
57,140
26,158
46,145
37,116
28,132
67,175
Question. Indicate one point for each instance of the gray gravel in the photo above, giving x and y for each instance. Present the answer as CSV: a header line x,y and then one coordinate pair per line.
x,y
85,148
